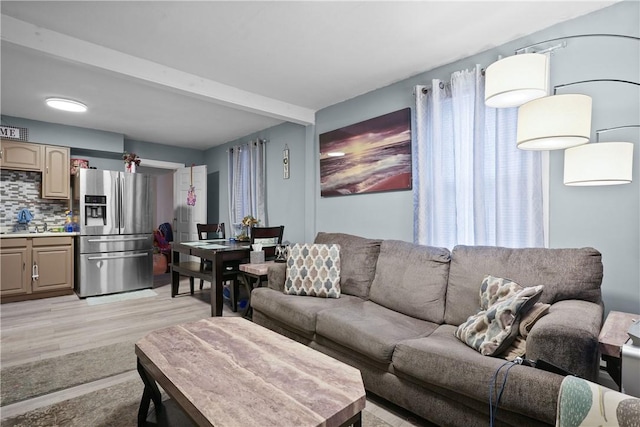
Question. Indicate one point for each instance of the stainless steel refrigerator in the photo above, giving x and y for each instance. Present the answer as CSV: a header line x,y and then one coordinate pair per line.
x,y
114,251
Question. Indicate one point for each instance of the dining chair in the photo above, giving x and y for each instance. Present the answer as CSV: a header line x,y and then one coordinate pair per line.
x,y
269,237
231,268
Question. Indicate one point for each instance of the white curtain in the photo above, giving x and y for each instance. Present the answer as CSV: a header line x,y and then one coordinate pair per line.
x,y
471,185
247,181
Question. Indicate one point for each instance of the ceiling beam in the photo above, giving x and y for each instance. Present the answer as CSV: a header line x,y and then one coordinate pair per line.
x,y
30,36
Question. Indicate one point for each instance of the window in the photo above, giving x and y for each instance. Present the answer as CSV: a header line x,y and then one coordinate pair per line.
x,y
472,185
246,178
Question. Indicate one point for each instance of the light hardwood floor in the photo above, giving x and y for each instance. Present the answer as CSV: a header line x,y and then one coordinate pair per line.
x,y
40,329
50,327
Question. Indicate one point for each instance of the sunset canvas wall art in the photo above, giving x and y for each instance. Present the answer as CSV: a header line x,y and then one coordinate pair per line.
x,y
367,157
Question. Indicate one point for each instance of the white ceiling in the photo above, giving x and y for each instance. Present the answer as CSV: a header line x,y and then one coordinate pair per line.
x,y
199,74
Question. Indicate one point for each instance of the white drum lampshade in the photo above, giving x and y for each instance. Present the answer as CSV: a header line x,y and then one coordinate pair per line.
x,y
554,122
512,81
599,163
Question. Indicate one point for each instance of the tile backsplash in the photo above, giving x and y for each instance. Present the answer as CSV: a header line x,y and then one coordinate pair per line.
x,y
22,189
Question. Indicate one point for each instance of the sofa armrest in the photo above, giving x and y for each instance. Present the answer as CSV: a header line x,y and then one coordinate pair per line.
x,y
568,337
276,275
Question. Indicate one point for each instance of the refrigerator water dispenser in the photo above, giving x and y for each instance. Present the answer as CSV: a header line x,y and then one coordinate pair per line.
x,y
95,208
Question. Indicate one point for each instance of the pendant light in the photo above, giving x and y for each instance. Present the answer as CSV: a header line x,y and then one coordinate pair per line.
x,y
512,81
554,122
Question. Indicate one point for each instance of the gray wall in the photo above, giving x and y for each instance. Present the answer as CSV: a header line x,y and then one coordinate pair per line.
x,y
102,149
68,136
607,218
168,153
285,197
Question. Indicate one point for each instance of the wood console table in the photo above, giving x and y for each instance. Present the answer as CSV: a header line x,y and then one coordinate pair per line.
x,y
217,251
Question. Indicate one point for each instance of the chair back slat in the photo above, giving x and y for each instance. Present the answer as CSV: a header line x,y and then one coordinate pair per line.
x,y
205,229
268,235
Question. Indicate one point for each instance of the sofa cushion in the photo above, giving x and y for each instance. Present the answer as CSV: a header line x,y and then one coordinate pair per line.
x,y
313,270
492,331
411,279
358,257
442,360
370,329
565,274
296,312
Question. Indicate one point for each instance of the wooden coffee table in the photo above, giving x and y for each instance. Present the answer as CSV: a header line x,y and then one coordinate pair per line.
x,y
228,371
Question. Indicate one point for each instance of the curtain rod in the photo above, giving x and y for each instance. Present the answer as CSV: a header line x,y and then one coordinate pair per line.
x,y
251,142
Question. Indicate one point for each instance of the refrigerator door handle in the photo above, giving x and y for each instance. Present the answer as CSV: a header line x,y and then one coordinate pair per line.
x,y
124,239
93,258
120,195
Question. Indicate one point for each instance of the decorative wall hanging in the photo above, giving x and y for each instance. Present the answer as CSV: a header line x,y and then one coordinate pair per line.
x,y
14,132
191,194
367,157
285,162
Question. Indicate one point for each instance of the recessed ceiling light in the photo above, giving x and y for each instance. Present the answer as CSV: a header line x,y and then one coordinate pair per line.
x,y
66,105
335,154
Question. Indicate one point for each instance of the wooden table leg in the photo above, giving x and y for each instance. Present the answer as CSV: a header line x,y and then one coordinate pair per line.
x,y
216,285
151,392
355,421
246,282
614,369
175,276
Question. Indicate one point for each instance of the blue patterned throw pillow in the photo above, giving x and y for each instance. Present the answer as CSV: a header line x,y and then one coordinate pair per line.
x,y
313,270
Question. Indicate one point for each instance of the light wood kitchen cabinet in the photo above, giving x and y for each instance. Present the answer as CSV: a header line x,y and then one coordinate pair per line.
x,y
51,160
21,155
56,173
37,267
15,267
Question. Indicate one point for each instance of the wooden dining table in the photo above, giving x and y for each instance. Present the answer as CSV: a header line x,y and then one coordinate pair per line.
x,y
217,251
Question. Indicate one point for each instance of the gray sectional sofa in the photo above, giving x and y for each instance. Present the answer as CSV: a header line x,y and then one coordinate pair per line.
x,y
401,304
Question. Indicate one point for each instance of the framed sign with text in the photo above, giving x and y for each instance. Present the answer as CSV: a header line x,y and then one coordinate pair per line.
x,y
12,132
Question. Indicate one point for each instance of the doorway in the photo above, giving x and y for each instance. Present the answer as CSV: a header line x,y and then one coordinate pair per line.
x,y
163,173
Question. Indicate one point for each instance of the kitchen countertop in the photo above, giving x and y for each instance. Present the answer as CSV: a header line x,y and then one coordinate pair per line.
x,y
19,234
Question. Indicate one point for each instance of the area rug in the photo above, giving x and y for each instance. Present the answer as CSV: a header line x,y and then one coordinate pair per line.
x,y
114,406
124,296
21,382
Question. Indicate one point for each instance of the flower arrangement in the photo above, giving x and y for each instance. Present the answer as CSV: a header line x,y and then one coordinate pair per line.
x,y
130,158
249,221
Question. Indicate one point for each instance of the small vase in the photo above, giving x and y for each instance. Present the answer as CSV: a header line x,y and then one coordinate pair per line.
x,y
245,234
131,167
